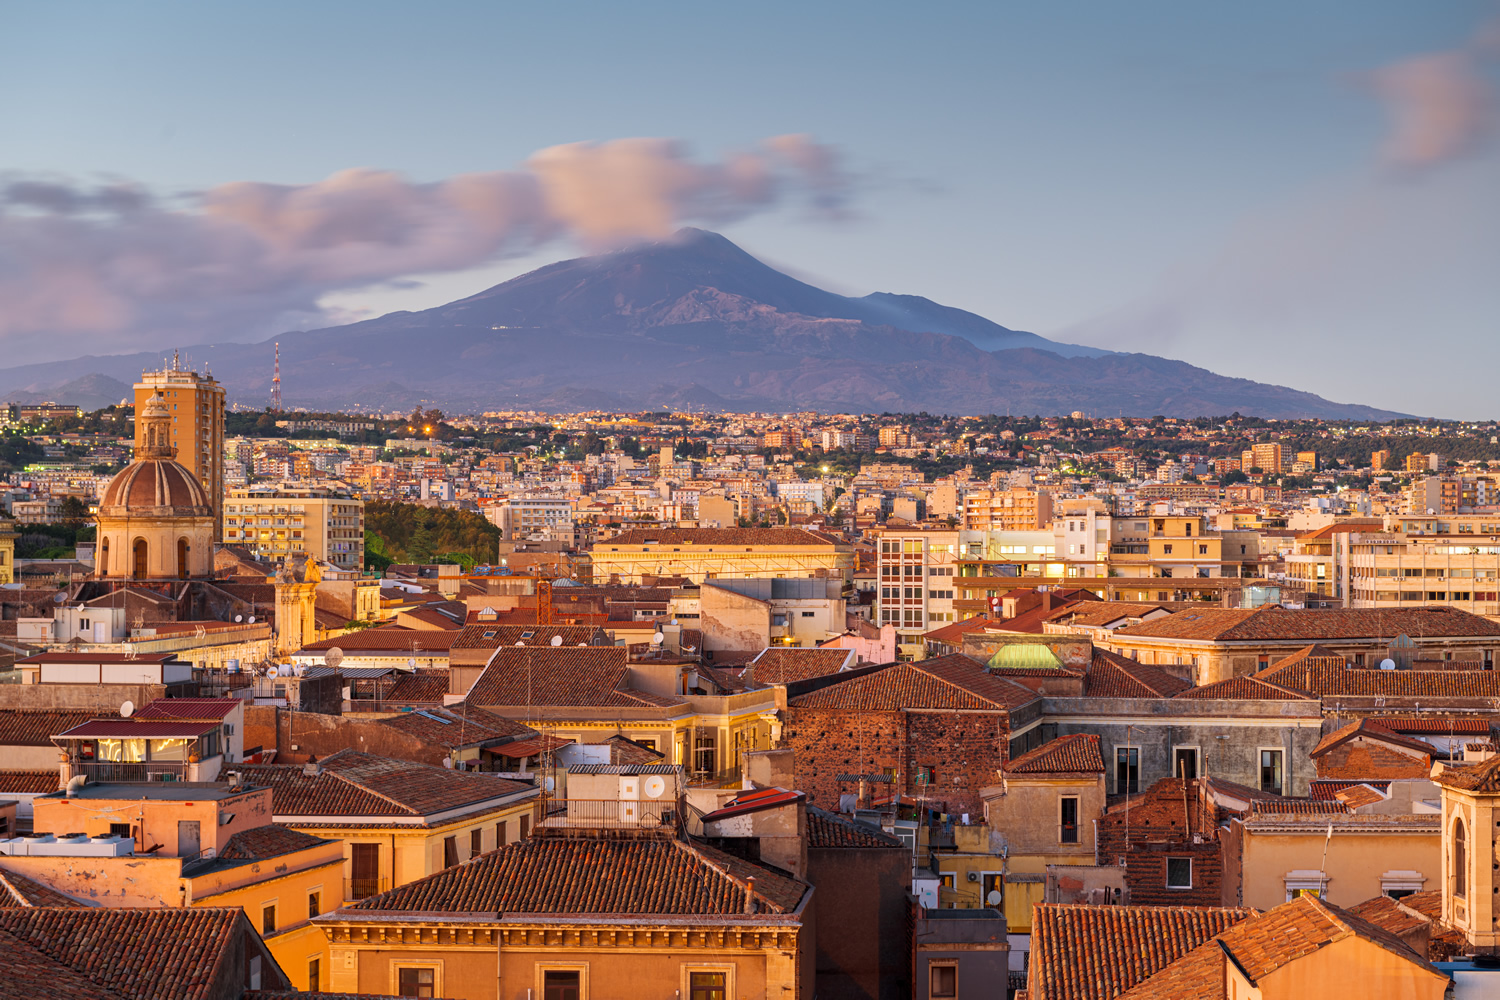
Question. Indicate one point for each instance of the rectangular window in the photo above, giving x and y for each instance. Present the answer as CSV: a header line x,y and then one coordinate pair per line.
x,y
1271,771
525,827
314,904
418,982
707,985
268,919
450,852
1185,763
314,974
1069,831
942,981
1127,770
1179,873
499,835
476,839
560,984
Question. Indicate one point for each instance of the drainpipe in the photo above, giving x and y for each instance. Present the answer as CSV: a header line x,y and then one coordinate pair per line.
x,y
1096,842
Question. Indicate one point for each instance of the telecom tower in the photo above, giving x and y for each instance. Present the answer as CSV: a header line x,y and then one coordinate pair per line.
x,y
276,382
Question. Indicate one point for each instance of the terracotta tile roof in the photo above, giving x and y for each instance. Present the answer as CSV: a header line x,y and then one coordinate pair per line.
x,y
28,782
493,635
561,874
1313,651
1359,795
954,681
423,686
20,728
1278,624
830,830
1081,952
17,890
1327,789
1111,675
168,953
623,750
753,801
1283,807
351,785
569,676
1389,915
457,726
1097,614
1326,678
1030,621
757,538
31,974
1442,725
1368,729
953,635
1077,753
269,841
780,665
1481,777
1244,688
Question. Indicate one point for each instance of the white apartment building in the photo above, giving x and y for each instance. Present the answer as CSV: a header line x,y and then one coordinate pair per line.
x,y
326,523
915,568
1422,559
526,517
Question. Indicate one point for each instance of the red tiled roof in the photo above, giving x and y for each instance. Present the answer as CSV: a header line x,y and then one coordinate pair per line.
x,y
754,801
953,635
1327,789
568,676
1278,624
351,784
493,635
1369,729
28,782
17,890
159,953
19,728
954,681
548,873
1481,777
779,665
269,841
387,638
1441,725
1243,687
456,726
827,830
1077,753
140,730
623,750
1326,678
1111,675
1081,952
424,686
1096,614
530,747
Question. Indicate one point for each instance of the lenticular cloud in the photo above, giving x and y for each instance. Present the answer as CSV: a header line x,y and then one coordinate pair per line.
x,y
114,266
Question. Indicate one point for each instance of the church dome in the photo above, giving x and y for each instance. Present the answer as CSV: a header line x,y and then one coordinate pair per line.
x,y
155,483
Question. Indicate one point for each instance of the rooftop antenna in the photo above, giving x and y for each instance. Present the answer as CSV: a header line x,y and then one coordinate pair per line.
x,y
276,381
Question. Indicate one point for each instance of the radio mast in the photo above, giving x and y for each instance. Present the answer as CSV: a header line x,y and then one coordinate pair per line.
x,y
276,382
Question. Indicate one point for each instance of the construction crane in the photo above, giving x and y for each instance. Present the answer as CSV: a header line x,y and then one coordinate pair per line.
x,y
543,598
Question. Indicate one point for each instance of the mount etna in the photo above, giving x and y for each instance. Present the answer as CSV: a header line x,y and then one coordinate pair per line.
x,y
690,322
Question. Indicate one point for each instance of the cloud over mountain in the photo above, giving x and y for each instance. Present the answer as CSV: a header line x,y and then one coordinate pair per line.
x,y
113,266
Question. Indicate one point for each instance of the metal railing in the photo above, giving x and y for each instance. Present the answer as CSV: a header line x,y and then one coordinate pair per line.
x,y
107,770
606,814
364,888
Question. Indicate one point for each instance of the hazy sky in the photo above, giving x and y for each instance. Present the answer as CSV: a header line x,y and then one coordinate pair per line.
x,y
1306,194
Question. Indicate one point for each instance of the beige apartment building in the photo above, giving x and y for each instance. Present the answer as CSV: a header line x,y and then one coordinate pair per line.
x,y
196,404
704,553
1007,510
1422,559
916,569
326,524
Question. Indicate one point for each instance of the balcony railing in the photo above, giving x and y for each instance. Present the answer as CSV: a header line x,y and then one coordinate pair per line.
x,y
152,770
607,814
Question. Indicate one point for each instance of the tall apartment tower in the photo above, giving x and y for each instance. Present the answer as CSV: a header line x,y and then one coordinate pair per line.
x,y
196,403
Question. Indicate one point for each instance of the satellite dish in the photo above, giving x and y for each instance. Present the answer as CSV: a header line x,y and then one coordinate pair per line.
x,y
993,898
655,786
674,621
239,618
659,637
59,597
127,709
1387,664
557,640
583,644
252,619
334,657
549,783
411,661
272,672
448,763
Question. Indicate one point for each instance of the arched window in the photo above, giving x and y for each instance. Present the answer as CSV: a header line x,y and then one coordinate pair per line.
x,y
182,558
138,570
1460,861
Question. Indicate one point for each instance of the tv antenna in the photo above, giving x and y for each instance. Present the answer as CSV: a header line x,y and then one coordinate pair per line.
x,y
276,381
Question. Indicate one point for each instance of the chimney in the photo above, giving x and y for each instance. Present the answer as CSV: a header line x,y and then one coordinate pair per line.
x,y
312,769
1046,602
750,894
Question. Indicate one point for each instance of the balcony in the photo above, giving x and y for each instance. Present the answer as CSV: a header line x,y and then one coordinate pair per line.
x,y
364,888
107,770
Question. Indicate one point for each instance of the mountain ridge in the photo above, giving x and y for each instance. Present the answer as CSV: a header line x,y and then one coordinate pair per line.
x,y
690,321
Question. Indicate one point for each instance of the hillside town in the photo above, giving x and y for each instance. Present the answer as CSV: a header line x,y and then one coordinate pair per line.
x,y
753,705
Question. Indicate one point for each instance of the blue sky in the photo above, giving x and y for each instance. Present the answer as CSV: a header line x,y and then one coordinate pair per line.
x,y
1218,183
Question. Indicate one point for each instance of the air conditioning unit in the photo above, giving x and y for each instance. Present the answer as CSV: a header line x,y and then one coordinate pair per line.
x,y
971,876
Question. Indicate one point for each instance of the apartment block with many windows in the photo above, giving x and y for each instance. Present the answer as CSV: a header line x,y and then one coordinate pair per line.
x,y
324,523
